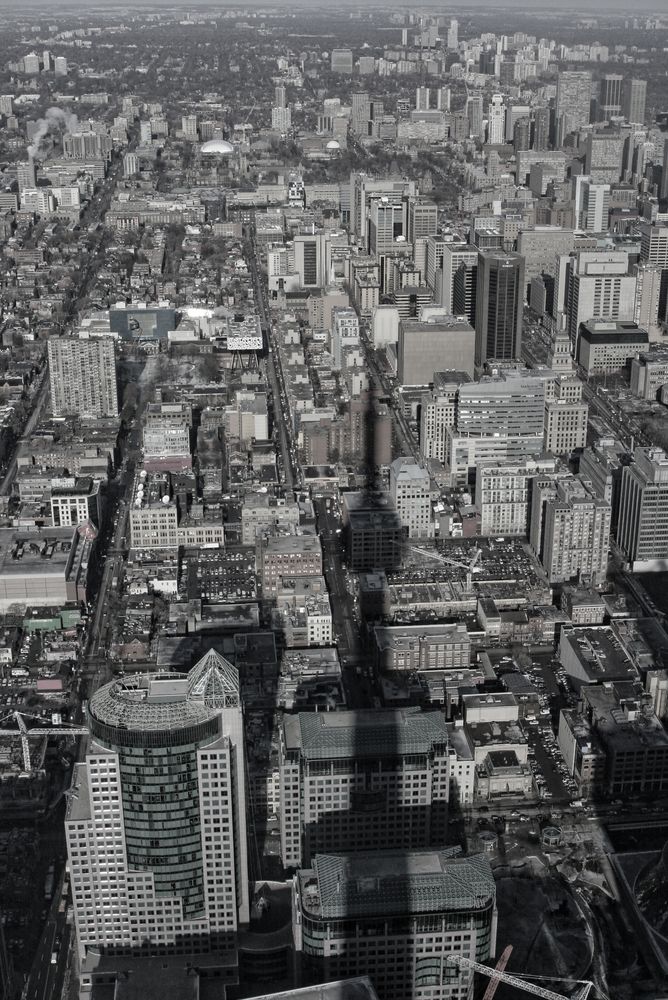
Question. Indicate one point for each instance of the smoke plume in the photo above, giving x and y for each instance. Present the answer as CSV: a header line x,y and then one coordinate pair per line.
x,y
55,120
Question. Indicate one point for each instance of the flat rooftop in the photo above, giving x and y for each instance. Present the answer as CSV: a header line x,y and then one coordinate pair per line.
x,y
364,733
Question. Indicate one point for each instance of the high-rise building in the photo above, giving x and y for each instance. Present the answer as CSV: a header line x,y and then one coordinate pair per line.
x,y
649,278
189,127
499,307
503,495
474,114
438,414
594,208
82,375
458,278
422,219
634,96
663,190
570,527
130,164
47,61
598,287
422,99
342,61
654,244
604,153
345,333
642,532
496,123
541,129
396,917
25,174
60,66
31,63
156,829
410,491
573,103
610,97
453,34
312,259
279,96
566,416
6,104
347,782
281,119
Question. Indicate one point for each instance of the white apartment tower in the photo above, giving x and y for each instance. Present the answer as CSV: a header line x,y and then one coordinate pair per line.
x,y
82,374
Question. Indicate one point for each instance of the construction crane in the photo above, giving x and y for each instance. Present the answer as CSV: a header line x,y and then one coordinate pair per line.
x,y
25,734
471,566
584,985
500,967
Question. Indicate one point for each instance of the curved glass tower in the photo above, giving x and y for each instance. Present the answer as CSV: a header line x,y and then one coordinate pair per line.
x,y
157,826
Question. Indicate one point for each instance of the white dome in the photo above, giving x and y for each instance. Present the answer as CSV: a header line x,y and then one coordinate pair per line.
x,y
333,144
218,146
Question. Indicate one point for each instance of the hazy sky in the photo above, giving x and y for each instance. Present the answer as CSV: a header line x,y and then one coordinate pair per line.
x,y
583,7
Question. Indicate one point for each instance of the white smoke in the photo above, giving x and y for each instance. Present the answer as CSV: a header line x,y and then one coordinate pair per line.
x,y
55,120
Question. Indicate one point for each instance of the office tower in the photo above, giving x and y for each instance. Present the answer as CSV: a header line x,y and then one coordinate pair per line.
x,y
130,165
522,134
347,781
156,829
496,124
642,533
594,210
422,219
610,97
387,221
342,61
573,101
25,174
360,113
443,342
474,115
499,306
570,528
453,34
345,333
457,279
604,152
396,917
634,95
60,66
663,189
189,127
422,99
503,495
279,96
598,286
312,259
541,129
654,244
82,375
411,495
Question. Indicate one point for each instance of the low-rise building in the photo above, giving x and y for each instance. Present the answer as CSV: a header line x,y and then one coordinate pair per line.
x,y
287,556
422,647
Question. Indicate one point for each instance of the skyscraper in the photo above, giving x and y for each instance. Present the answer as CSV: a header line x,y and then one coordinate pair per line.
x,y
573,100
83,377
499,304
496,125
410,490
642,533
474,115
610,97
634,94
156,829
541,129
663,191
